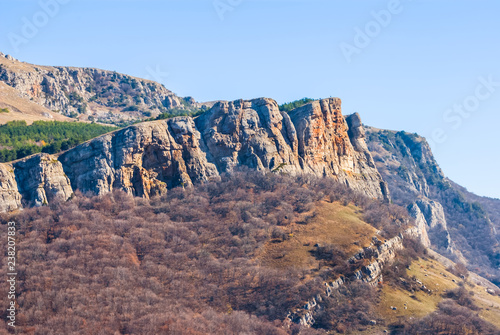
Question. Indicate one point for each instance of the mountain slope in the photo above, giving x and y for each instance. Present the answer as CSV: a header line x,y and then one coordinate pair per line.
x,y
20,108
90,94
456,226
221,258
490,205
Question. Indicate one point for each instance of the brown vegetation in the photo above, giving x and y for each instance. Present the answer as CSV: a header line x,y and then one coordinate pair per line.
x,y
184,263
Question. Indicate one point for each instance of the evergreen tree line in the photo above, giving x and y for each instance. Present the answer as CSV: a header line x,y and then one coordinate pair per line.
x,y
18,139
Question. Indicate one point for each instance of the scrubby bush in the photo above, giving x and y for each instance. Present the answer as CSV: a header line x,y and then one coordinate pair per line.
x,y
287,107
351,307
462,297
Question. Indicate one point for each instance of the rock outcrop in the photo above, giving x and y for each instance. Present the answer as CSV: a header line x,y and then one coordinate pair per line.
x,y
143,160
421,224
311,139
383,253
149,158
10,198
326,147
34,181
41,179
251,133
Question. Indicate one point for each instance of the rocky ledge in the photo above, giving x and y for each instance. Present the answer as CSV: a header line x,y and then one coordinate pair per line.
x,y
381,254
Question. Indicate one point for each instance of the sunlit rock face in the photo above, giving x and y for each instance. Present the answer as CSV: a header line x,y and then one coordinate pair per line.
x,y
149,158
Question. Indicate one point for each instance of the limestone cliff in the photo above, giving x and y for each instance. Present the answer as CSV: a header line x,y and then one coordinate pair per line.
x,y
10,199
251,133
33,181
143,160
149,158
421,224
41,179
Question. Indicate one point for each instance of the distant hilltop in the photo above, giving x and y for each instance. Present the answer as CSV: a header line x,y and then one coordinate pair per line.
x,y
88,94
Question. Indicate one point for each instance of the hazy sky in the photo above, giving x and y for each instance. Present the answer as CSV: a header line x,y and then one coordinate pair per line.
x,y
431,67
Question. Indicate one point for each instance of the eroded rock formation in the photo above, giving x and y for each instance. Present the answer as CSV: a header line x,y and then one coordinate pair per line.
x,y
149,158
383,254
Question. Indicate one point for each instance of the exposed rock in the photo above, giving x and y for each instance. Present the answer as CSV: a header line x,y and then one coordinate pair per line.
x,y
421,224
10,199
149,158
357,134
41,179
407,164
325,147
399,158
415,180
143,160
311,139
430,219
370,274
433,212
250,133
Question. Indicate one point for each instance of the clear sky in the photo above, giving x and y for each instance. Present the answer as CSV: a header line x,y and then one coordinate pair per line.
x,y
431,67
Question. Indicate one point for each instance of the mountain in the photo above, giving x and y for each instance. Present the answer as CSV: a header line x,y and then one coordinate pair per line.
x,y
242,219
456,222
148,158
90,94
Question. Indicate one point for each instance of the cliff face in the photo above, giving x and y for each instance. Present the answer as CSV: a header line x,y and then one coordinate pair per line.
x,y
10,198
143,160
330,145
311,139
149,158
251,133
446,219
104,95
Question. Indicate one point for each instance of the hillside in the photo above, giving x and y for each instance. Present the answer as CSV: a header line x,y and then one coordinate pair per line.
x,y
230,217
490,205
457,224
18,139
86,94
221,258
18,108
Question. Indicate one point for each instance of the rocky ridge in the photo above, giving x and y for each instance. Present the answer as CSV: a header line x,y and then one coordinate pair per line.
x,y
447,221
149,158
87,92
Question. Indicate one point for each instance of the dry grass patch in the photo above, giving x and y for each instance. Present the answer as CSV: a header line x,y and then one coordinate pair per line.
x,y
435,277
420,303
331,223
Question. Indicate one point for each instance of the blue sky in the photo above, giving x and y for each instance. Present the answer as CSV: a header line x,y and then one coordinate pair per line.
x,y
421,67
